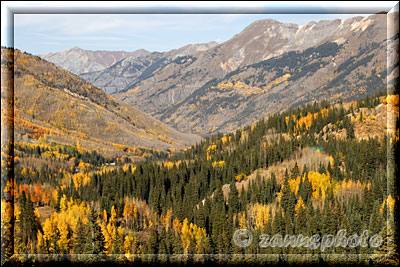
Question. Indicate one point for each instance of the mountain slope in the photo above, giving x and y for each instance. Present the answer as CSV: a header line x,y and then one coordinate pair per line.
x,y
130,71
328,71
122,73
54,104
259,41
77,60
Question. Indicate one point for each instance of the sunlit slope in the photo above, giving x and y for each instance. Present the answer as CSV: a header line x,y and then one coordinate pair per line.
x,y
57,105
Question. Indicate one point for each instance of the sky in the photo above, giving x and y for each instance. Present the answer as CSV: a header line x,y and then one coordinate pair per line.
x,y
45,33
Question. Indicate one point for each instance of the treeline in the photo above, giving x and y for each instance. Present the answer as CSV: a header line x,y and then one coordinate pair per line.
x,y
65,152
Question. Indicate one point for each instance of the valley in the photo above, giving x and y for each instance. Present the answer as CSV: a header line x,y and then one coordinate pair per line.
x,y
149,157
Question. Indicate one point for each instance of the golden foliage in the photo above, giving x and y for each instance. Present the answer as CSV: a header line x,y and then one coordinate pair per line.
x,y
166,220
258,215
391,99
224,139
240,87
294,184
170,164
390,201
80,180
223,86
299,205
211,149
190,233
320,183
241,177
60,226
220,163
33,130
242,220
278,80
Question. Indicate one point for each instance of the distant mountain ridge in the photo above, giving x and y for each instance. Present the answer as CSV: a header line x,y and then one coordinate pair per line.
x,y
179,88
77,60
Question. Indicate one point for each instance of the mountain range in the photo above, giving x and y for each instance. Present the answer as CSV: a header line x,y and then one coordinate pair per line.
x,y
268,67
77,60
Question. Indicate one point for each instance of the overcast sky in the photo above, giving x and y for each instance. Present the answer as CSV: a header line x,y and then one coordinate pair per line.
x,y
45,33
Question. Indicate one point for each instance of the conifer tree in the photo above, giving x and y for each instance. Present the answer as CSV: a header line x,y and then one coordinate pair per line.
x,y
387,253
80,241
96,237
29,223
152,244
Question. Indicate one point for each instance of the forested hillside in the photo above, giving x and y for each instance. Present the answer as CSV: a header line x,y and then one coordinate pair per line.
x,y
310,170
53,105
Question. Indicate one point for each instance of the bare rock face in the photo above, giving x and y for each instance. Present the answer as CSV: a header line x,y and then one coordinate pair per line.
x,y
124,72
77,60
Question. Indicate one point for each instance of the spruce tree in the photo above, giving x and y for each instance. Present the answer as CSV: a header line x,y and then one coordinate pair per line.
x,y
387,253
29,223
96,237
152,244
80,241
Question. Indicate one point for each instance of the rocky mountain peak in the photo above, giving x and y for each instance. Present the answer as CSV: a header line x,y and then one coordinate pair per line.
x,y
78,60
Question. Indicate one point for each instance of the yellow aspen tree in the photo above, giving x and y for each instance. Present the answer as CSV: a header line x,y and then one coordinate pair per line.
x,y
128,214
185,236
107,231
50,231
104,217
39,243
18,245
168,216
63,241
242,221
176,225
63,203
130,244
113,215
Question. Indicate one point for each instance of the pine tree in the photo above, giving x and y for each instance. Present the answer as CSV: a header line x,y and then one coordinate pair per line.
x,y
286,191
80,241
152,244
278,228
29,223
376,219
96,237
387,253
